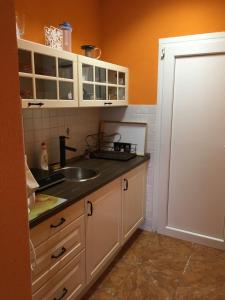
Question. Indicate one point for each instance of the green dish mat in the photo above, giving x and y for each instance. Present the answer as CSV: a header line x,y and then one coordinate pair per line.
x,y
44,203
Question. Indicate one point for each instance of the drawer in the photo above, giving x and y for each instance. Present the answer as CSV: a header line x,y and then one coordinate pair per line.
x,y
58,250
48,228
67,283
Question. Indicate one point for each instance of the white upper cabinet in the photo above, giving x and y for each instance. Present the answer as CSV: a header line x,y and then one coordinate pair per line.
x,y
52,78
48,77
101,83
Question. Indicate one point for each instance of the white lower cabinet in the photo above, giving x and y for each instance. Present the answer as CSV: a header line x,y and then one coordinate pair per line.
x,y
67,283
113,214
134,185
103,231
57,251
59,258
74,246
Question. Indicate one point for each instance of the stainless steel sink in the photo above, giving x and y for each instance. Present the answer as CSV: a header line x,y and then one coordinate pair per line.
x,y
78,174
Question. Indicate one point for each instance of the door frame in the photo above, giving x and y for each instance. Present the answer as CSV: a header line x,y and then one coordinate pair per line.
x,y
172,48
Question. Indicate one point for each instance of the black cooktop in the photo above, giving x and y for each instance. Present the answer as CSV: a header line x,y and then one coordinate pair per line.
x,y
46,178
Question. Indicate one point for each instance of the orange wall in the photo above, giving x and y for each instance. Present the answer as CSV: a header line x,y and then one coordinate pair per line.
x,y
130,31
83,16
14,251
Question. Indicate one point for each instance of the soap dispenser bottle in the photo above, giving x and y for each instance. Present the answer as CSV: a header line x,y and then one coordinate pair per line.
x,y
44,157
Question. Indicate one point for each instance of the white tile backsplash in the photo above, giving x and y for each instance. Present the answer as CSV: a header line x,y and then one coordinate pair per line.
x,y
46,125
141,113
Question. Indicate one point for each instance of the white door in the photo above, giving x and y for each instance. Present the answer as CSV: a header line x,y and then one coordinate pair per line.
x,y
192,152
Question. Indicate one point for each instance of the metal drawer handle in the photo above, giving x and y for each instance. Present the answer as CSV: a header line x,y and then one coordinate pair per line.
x,y
60,254
63,294
62,220
91,208
126,184
35,104
107,103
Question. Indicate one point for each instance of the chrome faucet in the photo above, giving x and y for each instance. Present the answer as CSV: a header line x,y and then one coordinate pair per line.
x,y
63,148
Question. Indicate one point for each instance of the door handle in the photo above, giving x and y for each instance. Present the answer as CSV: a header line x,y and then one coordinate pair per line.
x,y
63,294
126,184
91,208
40,104
57,225
63,250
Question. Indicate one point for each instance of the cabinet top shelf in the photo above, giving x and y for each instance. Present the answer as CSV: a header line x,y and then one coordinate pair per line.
x,y
29,45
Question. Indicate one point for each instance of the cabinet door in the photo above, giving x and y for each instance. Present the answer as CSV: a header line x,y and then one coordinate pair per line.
x,y
103,232
48,77
134,184
102,83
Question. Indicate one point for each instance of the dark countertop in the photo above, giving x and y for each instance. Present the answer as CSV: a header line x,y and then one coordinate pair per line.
x,y
75,191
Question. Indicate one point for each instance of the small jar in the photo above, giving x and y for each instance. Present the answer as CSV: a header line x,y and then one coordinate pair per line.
x,y
67,36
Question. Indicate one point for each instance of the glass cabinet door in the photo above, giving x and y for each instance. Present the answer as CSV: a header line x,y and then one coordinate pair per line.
x,y
87,72
66,90
88,91
46,89
112,77
100,92
100,74
122,77
121,92
49,77
45,65
25,64
26,88
65,68
112,93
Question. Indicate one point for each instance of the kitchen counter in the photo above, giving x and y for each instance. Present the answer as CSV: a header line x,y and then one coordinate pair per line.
x,y
74,191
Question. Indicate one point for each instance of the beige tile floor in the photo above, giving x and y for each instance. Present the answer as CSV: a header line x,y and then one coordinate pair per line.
x,y
156,267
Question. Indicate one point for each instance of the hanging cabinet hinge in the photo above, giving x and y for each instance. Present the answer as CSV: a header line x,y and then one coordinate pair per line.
x,y
162,53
